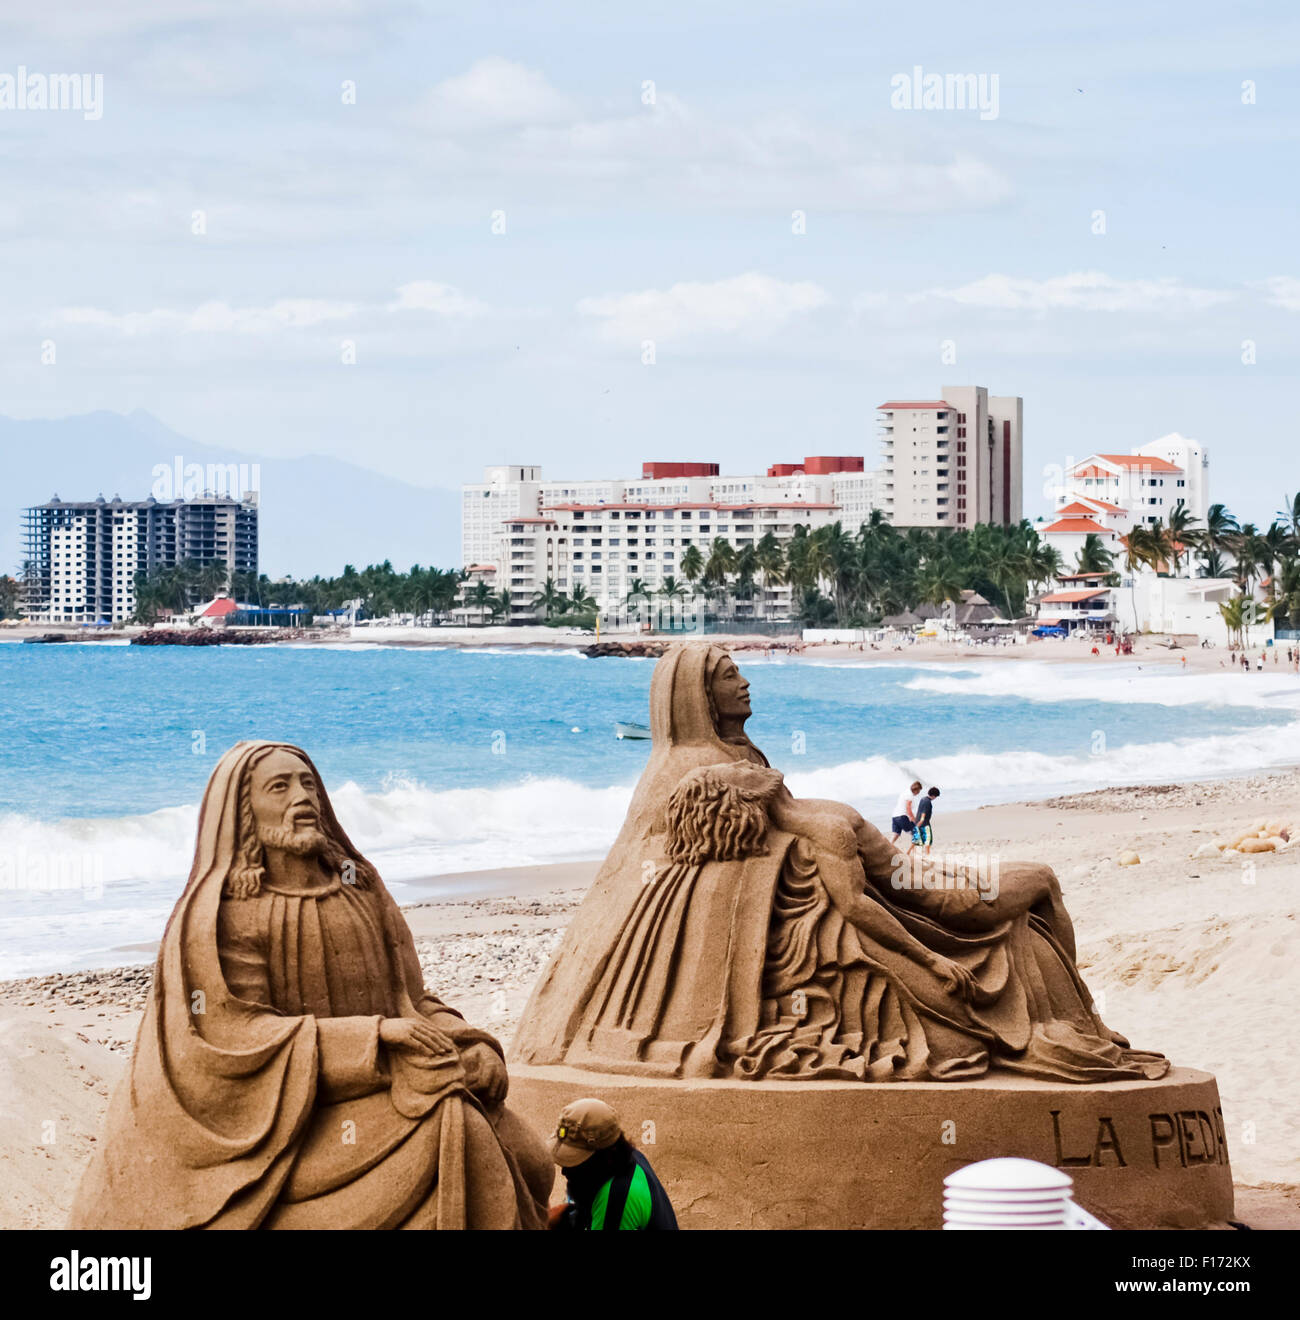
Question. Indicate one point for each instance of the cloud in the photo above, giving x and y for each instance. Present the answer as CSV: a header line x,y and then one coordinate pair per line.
x,y
212,318
495,93
1283,291
93,18
427,296
501,121
1089,290
753,305
284,314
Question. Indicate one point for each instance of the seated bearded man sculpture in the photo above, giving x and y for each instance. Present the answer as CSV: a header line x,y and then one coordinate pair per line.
x,y
736,930
291,1070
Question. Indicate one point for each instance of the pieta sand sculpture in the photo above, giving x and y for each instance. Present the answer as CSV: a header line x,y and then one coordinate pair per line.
x,y
292,1071
738,931
743,950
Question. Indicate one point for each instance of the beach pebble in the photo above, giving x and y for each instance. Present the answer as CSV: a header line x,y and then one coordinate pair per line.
x,y
1129,858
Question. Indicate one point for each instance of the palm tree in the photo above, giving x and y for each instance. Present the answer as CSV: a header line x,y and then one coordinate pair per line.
x,y
1161,544
1273,547
814,608
1216,537
692,565
480,596
580,600
721,563
211,578
1181,530
1006,570
1234,615
1139,550
1212,565
670,589
939,581
1046,563
1289,515
839,553
549,599
746,571
1287,596
799,572
1093,556
770,562
1245,547
11,593
636,590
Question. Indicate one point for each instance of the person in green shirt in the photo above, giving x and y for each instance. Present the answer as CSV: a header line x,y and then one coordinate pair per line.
x,y
610,1183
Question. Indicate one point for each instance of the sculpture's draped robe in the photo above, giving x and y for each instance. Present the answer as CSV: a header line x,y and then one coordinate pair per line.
x,y
259,1094
748,969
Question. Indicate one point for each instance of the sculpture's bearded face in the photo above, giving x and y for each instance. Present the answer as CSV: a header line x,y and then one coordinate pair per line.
x,y
285,802
729,692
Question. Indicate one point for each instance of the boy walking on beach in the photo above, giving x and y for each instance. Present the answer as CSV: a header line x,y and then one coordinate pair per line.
x,y
904,815
923,831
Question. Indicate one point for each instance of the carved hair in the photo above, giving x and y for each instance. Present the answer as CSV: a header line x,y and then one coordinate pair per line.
x,y
711,818
248,871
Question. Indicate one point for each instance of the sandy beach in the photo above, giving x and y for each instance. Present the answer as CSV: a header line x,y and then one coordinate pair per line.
x,y
1148,649
1191,952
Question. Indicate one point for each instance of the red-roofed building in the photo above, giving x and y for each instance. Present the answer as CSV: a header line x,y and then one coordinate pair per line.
x,y
604,535
1091,607
1074,527
1143,487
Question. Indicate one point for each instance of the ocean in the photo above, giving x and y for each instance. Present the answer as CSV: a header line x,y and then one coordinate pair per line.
x,y
443,760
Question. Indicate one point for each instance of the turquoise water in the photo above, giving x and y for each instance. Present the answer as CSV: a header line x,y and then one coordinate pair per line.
x,y
445,761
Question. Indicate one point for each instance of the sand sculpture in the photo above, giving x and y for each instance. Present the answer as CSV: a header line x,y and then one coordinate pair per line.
x,y
292,1071
736,931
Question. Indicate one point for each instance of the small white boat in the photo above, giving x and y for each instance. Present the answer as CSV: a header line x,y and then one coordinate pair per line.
x,y
628,730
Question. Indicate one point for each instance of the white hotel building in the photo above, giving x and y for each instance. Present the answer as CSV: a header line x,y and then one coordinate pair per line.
x,y
518,529
1106,495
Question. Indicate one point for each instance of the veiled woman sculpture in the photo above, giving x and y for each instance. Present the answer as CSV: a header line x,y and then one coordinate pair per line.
x,y
736,931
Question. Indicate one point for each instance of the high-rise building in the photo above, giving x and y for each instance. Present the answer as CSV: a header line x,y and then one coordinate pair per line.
x,y
953,461
506,490
607,535
81,557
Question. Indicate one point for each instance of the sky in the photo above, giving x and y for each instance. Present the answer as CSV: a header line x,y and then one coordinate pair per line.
x,y
429,237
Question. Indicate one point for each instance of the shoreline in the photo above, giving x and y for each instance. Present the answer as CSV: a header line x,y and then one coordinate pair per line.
x,y
1149,648
1191,952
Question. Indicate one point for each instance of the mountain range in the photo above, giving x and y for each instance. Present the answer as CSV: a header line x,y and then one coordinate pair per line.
x,y
317,513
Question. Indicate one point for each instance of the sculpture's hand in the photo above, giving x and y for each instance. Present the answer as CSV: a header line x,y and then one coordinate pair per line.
x,y
415,1036
485,1074
956,979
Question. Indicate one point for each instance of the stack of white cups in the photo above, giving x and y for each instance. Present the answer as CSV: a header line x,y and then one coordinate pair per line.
x,y
1007,1193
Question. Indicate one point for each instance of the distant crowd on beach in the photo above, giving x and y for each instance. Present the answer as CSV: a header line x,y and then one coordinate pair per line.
x,y
1243,659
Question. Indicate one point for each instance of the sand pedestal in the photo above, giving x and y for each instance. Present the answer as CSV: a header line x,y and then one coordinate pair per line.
x,y
850,1155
